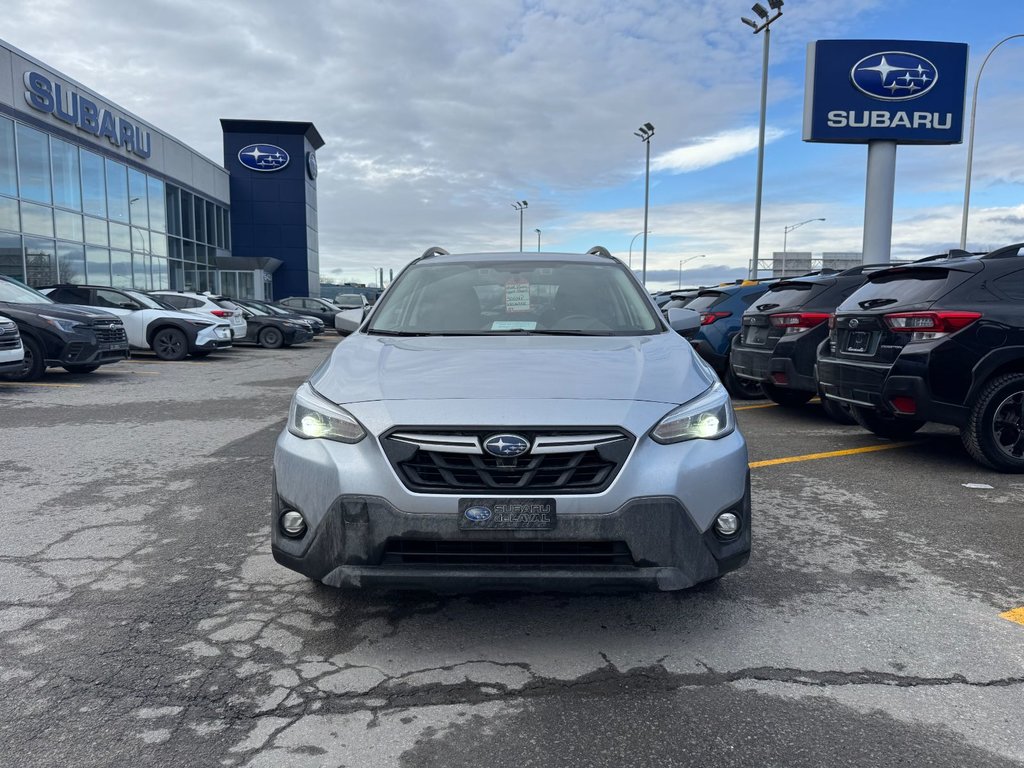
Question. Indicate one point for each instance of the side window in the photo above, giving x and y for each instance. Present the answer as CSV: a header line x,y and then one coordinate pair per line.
x,y
113,299
68,295
310,304
292,303
1012,285
175,301
191,303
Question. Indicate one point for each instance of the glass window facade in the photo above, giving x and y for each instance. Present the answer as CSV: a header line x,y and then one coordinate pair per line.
x,y
68,214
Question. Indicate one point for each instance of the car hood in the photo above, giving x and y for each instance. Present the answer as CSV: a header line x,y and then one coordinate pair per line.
x,y
660,368
63,311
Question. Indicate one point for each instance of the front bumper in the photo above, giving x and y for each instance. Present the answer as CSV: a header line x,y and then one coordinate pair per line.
x,y
297,336
208,339
661,507
83,350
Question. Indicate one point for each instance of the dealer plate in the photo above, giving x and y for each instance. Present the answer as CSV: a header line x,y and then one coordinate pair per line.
x,y
518,514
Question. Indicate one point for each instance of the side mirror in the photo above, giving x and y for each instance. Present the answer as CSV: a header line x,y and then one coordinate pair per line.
x,y
247,314
685,322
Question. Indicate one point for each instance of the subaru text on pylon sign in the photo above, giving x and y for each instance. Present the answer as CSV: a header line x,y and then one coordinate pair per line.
x,y
910,92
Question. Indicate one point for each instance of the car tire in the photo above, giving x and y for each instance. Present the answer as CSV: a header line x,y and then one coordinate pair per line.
x,y
1001,400
839,412
884,425
742,389
169,344
271,338
34,364
788,398
80,368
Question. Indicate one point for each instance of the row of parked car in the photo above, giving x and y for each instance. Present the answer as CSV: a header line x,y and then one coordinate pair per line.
x,y
887,347
81,327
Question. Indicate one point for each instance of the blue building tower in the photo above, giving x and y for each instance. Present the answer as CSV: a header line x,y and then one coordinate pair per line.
x,y
273,199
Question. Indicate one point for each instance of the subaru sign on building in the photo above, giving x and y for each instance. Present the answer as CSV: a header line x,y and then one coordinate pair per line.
x,y
910,92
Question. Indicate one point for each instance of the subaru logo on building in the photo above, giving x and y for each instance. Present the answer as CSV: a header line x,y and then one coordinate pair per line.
x,y
263,157
478,514
506,446
894,76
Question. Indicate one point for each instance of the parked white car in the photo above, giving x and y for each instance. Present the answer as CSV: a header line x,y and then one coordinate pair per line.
x,y
206,304
12,353
171,334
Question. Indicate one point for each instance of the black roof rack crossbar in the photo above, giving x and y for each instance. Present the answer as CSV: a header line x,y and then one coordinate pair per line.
x,y
600,250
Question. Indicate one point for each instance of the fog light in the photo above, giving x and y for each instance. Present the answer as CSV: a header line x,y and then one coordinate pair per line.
x,y
293,524
727,524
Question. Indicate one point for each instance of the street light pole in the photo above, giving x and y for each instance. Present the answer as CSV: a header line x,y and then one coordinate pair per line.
x,y
645,132
785,239
679,283
538,239
631,247
970,143
520,205
775,5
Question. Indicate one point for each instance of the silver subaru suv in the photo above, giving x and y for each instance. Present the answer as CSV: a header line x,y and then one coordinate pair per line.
x,y
512,420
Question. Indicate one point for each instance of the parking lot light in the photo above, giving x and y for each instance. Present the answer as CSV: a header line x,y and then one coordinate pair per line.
x,y
293,524
727,524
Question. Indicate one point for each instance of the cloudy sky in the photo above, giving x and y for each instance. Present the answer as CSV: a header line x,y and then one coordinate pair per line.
x,y
439,114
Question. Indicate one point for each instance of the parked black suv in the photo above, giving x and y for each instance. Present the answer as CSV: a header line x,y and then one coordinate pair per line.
x,y
78,340
778,344
937,340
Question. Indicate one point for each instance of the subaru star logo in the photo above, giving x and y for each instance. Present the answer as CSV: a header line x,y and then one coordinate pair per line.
x,y
263,157
478,514
894,76
506,446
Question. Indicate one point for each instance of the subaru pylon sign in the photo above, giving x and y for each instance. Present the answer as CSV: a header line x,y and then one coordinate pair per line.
x,y
910,92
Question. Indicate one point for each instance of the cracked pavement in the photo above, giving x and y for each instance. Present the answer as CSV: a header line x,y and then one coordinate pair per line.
x,y
143,621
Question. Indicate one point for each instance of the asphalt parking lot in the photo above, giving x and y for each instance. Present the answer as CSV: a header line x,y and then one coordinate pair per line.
x,y
143,622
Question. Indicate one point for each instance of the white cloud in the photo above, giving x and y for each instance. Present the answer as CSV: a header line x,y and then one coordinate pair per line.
x,y
709,151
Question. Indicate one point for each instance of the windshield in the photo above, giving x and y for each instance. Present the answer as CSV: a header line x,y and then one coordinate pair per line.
x,y
144,300
16,293
348,300
485,298
788,296
901,287
707,301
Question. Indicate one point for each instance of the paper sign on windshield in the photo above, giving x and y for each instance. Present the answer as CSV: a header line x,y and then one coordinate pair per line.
x,y
517,296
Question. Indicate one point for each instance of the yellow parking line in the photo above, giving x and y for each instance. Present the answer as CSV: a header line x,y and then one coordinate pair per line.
x,y
1016,615
35,384
752,407
827,454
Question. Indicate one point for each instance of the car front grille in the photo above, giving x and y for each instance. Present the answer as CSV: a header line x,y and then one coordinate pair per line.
x,y
9,336
558,461
507,554
109,334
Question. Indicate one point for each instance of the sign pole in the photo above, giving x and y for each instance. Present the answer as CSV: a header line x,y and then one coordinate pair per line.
x,y
878,202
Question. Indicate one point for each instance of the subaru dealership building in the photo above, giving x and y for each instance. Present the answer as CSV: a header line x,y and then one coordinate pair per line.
x,y
90,193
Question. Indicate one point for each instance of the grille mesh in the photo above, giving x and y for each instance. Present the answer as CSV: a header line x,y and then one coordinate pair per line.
x,y
507,554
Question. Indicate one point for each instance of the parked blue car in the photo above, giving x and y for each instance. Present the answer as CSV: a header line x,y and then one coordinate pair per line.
x,y
721,316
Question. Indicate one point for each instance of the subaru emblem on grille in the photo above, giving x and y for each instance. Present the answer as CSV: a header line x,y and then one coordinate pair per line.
x,y
506,446
478,514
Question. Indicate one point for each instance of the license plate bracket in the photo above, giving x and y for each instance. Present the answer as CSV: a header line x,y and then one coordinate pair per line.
x,y
511,514
858,341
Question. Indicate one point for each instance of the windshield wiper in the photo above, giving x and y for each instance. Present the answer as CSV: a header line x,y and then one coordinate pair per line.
x,y
375,332
765,307
872,303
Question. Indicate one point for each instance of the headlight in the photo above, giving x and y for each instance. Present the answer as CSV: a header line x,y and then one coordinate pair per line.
x,y
200,323
311,417
68,326
707,417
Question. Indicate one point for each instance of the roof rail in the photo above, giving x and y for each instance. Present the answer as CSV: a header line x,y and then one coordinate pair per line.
x,y
1006,252
861,268
600,250
434,250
